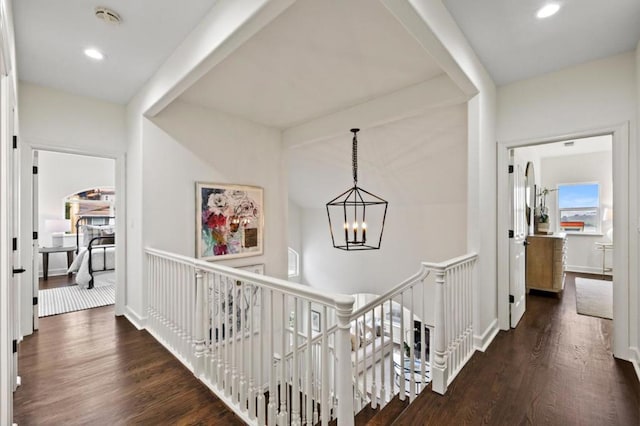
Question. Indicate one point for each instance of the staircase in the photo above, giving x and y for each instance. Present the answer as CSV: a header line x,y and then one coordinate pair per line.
x,y
258,342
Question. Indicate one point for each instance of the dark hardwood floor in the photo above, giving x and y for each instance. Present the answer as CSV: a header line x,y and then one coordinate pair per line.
x,y
91,368
555,368
56,281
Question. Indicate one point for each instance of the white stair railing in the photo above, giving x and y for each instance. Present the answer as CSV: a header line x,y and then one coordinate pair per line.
x,y
275,352
453,340
230,327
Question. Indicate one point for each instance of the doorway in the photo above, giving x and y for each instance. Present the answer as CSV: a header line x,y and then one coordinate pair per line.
x,y
618,259
74,243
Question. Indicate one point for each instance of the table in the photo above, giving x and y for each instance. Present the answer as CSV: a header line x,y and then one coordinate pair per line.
x,y
45,257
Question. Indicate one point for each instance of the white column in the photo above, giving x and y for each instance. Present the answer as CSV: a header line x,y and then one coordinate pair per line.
x,y
439,366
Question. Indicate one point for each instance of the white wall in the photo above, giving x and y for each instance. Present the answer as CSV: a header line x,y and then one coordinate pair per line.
x,y
419,165
482,195
54,120
581,99
185,144
595,167
294,227
60,175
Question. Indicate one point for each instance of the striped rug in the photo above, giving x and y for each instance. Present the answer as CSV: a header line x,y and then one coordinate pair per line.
x,y
61,300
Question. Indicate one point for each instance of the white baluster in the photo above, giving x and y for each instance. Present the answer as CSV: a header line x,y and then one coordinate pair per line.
x,y
309,368
263,354
324,356
241,310
383,389
199,322
252,353
401,379
227,340
272,406
295,391
374,362
282,415
412,351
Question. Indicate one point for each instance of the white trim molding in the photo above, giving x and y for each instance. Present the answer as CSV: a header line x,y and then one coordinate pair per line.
x,y
624,211
138,322
482,342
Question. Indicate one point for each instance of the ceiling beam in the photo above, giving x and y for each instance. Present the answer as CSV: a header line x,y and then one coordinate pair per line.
x,y
404,103
415,16
228,25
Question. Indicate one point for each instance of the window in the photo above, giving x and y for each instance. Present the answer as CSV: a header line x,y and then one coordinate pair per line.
x,y
294,263
579,207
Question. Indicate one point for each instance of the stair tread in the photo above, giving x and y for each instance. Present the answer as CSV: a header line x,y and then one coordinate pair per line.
x,y
389,413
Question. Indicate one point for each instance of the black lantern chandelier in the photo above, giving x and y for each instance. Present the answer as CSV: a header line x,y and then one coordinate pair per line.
x,y
352,213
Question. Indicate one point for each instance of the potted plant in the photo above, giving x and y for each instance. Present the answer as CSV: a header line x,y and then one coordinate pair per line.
x,y
542,216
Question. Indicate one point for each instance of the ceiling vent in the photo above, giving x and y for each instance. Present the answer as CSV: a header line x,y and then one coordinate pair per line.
x,y
107,15
570,143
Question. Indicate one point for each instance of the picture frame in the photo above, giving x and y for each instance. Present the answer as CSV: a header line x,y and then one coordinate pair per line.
x,y
229,221
315,321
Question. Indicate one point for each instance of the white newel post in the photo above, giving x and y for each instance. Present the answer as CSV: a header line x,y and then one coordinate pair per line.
x,y
439,368
344,385
200,318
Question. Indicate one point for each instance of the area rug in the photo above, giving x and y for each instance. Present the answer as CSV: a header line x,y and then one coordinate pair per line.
x,y
594,297
61,300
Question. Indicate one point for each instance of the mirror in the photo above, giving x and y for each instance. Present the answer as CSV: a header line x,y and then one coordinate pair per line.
x,y
530,193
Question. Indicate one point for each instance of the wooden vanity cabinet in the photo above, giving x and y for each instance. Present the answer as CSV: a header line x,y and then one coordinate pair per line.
x,y
546,262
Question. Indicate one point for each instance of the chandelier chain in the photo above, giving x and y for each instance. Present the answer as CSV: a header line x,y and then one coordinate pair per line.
x,y
354,158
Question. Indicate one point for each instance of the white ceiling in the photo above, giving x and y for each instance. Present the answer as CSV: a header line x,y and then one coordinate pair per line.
x,y
316,58
402,162
559,149
514,45
52,35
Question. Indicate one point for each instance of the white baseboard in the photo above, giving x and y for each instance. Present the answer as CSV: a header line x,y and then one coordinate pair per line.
x,y
586,270
483,341
635,360
135,319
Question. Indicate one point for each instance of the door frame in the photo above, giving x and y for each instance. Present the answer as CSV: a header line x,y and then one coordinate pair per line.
x,y
29,146
625,241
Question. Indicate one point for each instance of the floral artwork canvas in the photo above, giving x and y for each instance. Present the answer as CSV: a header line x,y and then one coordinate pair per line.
x,y
229,221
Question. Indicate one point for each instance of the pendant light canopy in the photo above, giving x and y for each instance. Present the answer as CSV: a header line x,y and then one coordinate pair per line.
x,y
356,217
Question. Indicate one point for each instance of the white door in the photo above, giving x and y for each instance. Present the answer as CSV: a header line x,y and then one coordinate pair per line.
x,y
10,268
517,240
35,245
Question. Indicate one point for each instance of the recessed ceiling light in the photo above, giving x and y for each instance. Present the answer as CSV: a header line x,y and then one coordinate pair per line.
x,y
548,10
94,54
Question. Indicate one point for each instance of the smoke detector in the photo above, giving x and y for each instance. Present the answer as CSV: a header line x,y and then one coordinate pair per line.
x,y
107,15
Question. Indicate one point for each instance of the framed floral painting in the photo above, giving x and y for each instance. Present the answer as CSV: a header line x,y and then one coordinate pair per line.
x,y
229,221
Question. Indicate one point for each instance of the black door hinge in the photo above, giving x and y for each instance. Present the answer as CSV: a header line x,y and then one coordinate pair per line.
x,y
510,233
15,142
35,170
15,244
511,298
35,301
510,169
15,346
35,235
